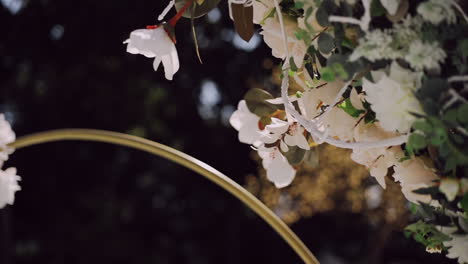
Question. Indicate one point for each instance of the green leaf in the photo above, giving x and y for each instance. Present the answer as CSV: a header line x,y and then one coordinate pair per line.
x,y
200,10
462,114
428,190
464,202
256,102
462,46
433,87
340,71
327,74
292,64
298,5
423,126
377,9
417,141
348,107
451,116
439,136
295,155
322,17
311,158
427,234
325,43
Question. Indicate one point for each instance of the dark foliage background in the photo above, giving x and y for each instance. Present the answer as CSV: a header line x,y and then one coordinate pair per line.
x,y
63,64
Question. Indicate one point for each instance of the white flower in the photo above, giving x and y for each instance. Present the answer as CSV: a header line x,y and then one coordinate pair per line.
x,y
155,43
391,6
7,136
436,11
8,186
414,174
375,45
293,134
449,187
392,101
377,160
274,39
247,124
337,122
458,246
425,55
278,169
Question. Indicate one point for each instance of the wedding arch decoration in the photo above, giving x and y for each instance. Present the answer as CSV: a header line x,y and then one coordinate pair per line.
x,y
387,79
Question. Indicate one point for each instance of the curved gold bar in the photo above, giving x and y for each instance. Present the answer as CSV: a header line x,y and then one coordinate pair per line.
x,y
183,159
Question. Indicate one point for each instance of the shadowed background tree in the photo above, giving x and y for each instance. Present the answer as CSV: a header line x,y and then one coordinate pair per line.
x,y
63,64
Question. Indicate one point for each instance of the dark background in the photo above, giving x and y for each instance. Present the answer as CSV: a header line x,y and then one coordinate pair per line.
x,y
63,65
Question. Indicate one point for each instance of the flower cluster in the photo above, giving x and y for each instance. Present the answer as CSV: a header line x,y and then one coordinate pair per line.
x,y
8,178
387,79
387,84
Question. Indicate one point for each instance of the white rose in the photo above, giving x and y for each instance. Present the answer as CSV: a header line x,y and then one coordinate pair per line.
x,y
392,98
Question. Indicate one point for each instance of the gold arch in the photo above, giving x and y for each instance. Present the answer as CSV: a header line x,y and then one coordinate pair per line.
x,y
183,159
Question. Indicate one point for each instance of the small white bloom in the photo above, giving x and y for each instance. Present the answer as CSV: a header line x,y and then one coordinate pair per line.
x,y
246,123
275,131
7,136
393,101
425,55
292,133
436,11
278,169
449,187
375,45
155,43
8,186
390,5
295,136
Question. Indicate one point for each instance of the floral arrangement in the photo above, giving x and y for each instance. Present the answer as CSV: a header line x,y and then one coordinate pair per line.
x,y
387,79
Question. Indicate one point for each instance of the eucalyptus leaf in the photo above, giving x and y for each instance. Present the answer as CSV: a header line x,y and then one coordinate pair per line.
x,y
311,158
348,107
322,17
417,141
464,202
428,190
325,43
327,74
295,155
423,126
256,102
462,114
200,10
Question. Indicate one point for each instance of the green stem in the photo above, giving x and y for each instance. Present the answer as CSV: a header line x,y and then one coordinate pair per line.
x,y
183,159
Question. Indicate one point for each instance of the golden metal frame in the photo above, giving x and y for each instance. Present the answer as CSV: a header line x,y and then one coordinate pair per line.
x,y
180,158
